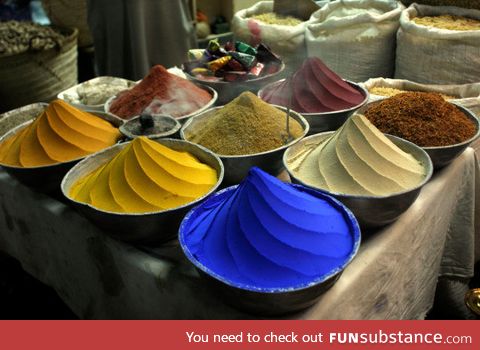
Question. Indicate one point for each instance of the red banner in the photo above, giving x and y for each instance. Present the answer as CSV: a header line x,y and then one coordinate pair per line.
x,y
331,335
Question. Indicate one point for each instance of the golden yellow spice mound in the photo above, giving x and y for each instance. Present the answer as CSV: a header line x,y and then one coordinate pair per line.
x,y
61,133
389,92
246,125
143,177
448,22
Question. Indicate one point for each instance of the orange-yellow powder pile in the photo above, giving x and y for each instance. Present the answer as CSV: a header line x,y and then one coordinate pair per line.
x,y
145,176
61,133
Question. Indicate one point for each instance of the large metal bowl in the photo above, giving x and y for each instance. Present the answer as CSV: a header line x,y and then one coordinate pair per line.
x,y
327,121
370,211
237,166
47,178
98,80
183,118
444,155
227,91
271,301
15,117
144,228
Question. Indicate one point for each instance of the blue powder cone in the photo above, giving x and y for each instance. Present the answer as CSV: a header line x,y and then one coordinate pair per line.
x,y
266,235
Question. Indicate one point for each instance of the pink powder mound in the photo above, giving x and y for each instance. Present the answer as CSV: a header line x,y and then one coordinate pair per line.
x,y
315,89
160,92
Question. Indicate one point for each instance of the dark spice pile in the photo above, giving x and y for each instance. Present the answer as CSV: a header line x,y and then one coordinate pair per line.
x,y
18,37
423,118
246,125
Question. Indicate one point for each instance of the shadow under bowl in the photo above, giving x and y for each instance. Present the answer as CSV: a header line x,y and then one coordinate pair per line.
x,y
237,166
142,228
270,301
370,211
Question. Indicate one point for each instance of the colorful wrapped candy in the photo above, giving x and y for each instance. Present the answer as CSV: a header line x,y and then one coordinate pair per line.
x,y
234,62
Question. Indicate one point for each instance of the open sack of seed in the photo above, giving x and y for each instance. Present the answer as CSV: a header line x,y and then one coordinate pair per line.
x,y
355,38
439,45
467,95
285,35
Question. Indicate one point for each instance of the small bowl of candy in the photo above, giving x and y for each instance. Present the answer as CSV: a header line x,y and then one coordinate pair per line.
x,y
234,68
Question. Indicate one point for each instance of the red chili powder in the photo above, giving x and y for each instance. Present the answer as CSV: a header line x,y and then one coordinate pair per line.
x,y
162,91
423,118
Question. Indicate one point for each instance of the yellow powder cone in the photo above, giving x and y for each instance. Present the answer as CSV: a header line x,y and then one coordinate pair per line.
x,y
136,182
61,133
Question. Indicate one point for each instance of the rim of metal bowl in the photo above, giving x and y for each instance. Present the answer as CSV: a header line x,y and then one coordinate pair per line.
x,y
303,122
121,146
428,168
345,211
473,118
221,82
96,107
172,131
21,126
210,103
355,85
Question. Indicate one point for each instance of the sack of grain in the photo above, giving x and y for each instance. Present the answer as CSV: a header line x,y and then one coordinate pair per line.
x,y
286,40
467,95
355,38
430,55
468,4
35,68
70,14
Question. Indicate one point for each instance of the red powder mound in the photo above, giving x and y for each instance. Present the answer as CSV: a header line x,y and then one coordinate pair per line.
x,y
315,89
160,92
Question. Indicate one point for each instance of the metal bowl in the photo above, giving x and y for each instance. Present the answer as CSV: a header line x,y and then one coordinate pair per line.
x,y
227,91
271,301
370,211
327,121
237,166
183,118
98,80
144,228
132,128
444,155
15,117
47,178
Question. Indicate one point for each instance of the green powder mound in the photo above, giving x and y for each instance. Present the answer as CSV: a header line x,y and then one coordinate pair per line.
x,y
246,125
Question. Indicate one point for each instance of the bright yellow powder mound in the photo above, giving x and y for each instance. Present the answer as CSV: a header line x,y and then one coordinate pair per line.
x,y
61,133
145,176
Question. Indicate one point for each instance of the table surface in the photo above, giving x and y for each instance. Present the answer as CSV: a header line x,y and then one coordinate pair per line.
x,y
394,275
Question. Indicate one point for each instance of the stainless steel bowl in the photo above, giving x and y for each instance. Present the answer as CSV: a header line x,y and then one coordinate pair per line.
x,y
144,228
370,211
327,121
444,155
132,128
237,166
15,117
183,118
227,91
47,178
271,301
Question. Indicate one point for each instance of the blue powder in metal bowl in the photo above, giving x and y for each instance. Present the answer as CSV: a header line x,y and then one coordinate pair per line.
x,y
268,236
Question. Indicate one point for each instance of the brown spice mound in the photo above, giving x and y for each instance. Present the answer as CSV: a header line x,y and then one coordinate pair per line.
x,y
246,125
423,118
175,96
